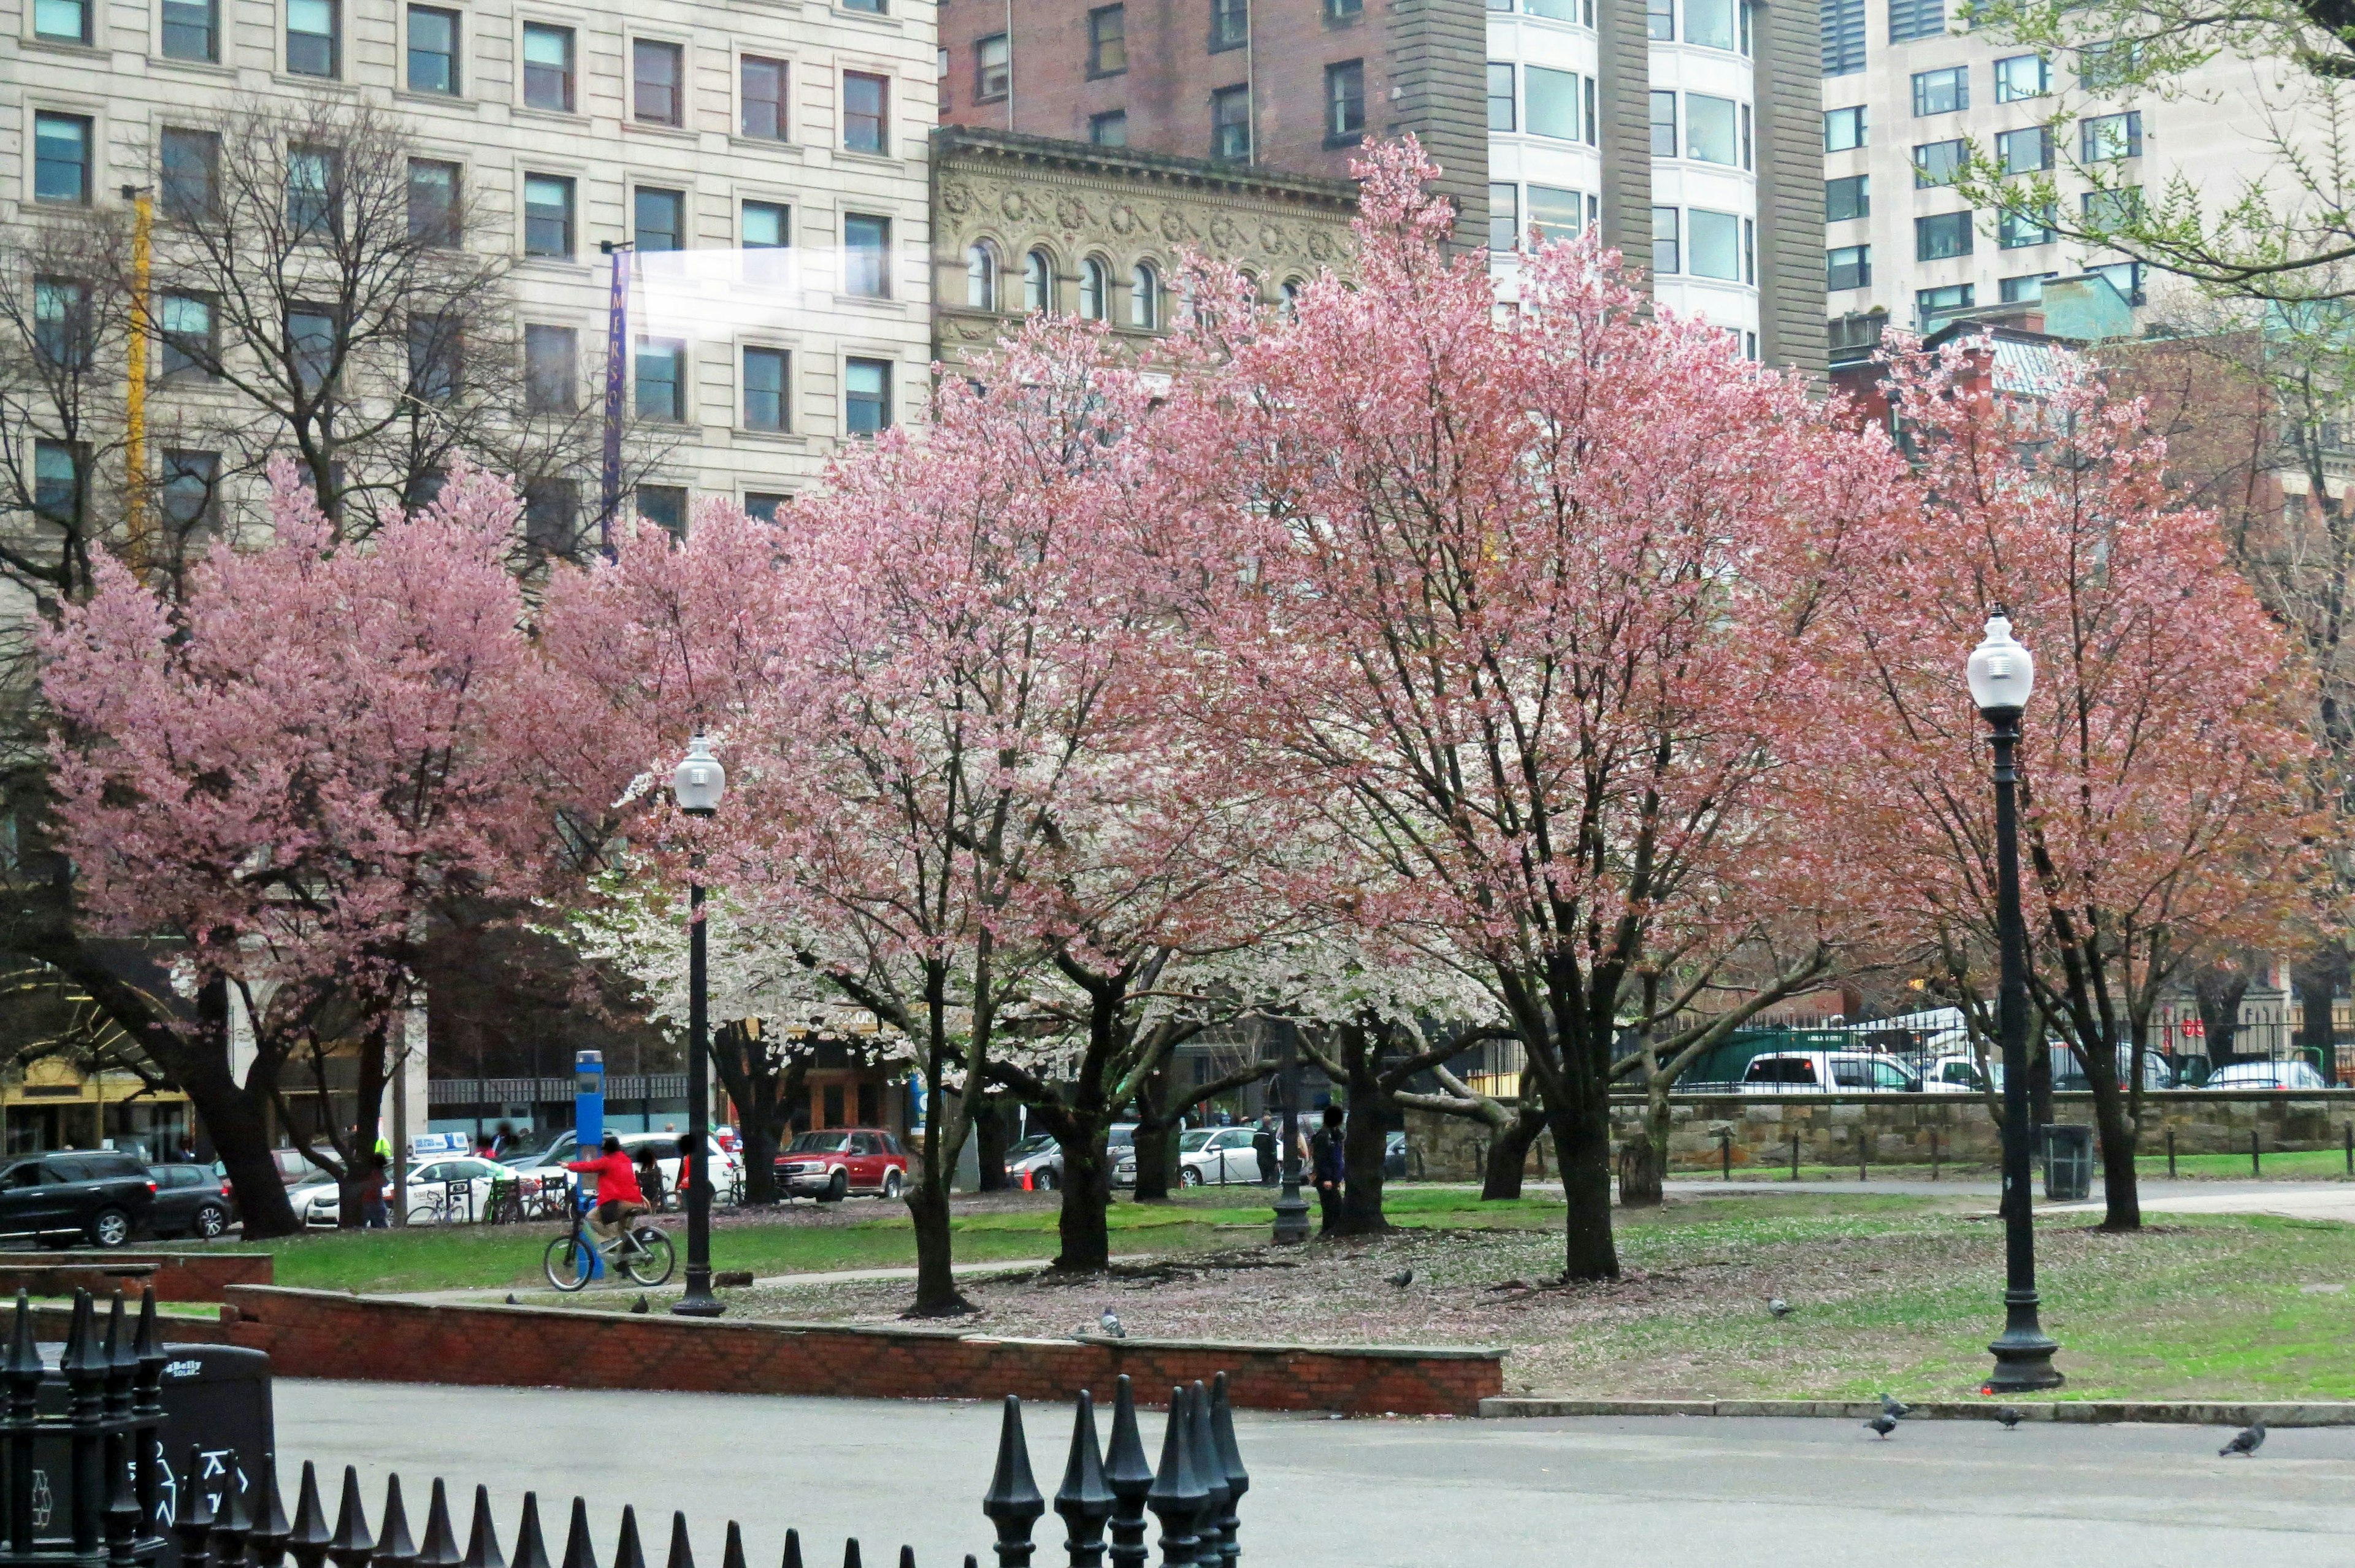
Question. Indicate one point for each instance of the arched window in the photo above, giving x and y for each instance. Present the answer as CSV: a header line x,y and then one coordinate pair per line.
x,y
1095,289
1290,304
1145,297
981,276
1251,282
1037,282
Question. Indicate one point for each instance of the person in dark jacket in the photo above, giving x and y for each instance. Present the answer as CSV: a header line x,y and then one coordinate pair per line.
x,y
1263,1145
1328,1158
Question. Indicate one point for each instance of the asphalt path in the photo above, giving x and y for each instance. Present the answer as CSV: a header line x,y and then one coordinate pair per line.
x,y
1368,1494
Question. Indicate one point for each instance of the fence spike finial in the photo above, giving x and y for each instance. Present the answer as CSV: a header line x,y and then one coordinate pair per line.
x,y
193,1522
1230,1460
441,1548
907,1556
531,1547
1084,1499
351,1544
626,1553
1013,1503
394,1547
1177,1494
578,1551
271,1530
235,1520
1216,1494
310,1539
483,1539
1130,1475
682,1550
792,1549
732,1555
850,1552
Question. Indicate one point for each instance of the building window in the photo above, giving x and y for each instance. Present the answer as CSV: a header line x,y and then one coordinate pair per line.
x,y
1109,129
763,505
56,481
1938,164
310,335
662,380
189,347
436,358
764,388
548,67
1037,282
1144,298
1660,20
1230,24
872,7
1663,125
1917,19
191,29
552,516
1344,102
664,505
1553,104
1107,40
189,480
2018,230
62,325
1942,91
765,226
1504,217
61,145
656,73
1593,125
2025,289
1848,267
1711,129
552,370
547,215
1713,24
1554,212
866,255
189,175
432,50
2106,210
1931,303
2022,77
2109,67
1851,196
313,38
1843,25
2107,137
1844,129
1664,249
1947,235
980,277
2123,276
2026,151
1095,290
865,127
1500,96
866,396
61,21
1713,243
312,199
993,69
762,85
1231,130
435,214
658,220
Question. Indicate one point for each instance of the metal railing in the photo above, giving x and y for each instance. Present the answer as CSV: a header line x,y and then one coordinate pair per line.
x,y
114,1486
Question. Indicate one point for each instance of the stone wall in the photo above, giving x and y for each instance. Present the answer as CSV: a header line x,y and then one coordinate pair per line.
x,y
1898,1129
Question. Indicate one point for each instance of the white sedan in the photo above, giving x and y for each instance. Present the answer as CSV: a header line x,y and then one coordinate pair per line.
x,y
1217,1155
450,1190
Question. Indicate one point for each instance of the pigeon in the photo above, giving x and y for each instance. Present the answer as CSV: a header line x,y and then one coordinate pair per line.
x,y
639,1305
1891,1408
512,1301
1110,1325
1778,1306
2248,1442
1884,1425
1404,1278
2009,1417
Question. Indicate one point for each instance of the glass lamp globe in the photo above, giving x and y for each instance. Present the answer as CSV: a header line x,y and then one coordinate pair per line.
x,y
699,781
2002,672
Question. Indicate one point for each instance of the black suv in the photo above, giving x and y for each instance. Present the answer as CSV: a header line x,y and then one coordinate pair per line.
x,y
101,1195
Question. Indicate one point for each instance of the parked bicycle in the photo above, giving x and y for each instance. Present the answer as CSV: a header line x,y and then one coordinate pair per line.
x,y
643,1252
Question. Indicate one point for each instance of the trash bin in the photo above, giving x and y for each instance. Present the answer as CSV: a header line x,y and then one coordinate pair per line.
x,y
2068,1162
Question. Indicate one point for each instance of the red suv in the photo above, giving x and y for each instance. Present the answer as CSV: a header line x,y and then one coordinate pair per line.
x,y
834,1164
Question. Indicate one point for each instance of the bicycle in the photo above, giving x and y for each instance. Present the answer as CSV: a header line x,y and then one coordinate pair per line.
x,y
643,1253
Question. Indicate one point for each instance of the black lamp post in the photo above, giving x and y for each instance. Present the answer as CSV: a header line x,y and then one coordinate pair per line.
x,y
1291,1209
2001,675
698,785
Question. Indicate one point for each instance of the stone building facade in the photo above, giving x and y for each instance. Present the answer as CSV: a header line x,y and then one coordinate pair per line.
x,y
1025,223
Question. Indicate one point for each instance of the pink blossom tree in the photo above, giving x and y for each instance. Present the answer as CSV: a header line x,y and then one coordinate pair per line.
x,y
2166,814
1531,592
288,775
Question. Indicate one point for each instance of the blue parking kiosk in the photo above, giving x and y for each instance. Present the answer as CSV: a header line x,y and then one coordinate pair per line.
x,y
588,1130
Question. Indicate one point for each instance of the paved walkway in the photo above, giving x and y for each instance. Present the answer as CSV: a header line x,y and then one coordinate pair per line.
x,y
1762,1493
833,1277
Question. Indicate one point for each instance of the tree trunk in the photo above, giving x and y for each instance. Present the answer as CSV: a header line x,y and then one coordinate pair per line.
x,y
1087,1191
2318,981
2219,991
1508,1155
1363,1138
936,1289
1581,1142
1155,1162
1643,1158
2115,1129
993,1118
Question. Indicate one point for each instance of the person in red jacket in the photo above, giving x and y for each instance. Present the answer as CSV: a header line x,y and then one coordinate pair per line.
x,y
619,1197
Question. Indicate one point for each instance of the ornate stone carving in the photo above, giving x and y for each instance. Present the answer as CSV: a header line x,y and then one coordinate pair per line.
x,y
1013,208
957,197
1072,212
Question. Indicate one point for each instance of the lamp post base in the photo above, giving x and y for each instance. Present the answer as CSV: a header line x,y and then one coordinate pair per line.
x,y
698,1301
1291,1217
2023,1354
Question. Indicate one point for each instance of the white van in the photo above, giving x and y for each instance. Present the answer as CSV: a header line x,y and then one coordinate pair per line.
x,y
1827,1072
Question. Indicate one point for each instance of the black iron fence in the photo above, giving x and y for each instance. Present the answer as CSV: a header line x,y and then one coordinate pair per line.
x,y
114,1510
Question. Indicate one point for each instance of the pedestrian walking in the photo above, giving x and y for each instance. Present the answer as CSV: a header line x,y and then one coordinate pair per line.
x,y
1263,1145
1326,1159
376,1214
650,1176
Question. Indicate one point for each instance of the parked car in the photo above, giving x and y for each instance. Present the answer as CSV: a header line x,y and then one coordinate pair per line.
x,y
1120,1147
100,1196
191,1200
1789,1071
294,1167
1035,1163
1955,1075
831,1165
1220,1154
314,1200
1394,1154
2296,1073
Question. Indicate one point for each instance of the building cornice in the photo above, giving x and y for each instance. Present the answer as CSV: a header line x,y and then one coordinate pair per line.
x,y
980,150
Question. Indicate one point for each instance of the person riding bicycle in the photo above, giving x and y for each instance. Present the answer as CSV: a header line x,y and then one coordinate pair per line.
x,y
618,1198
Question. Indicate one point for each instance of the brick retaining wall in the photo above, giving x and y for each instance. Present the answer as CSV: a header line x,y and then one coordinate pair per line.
x,y
322,1334
177,1277
1896,1129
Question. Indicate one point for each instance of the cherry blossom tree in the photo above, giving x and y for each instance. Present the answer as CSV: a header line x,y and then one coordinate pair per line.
x,y
290,774
1531,592
2168,792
